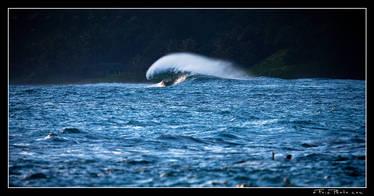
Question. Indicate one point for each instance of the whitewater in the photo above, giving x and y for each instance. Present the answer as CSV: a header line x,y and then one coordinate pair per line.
x,y
178,66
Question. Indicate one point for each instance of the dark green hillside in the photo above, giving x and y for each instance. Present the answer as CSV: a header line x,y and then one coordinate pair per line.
x,y
64,46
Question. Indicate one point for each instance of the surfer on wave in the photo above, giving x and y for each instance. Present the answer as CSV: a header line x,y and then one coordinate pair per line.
x,y
167,82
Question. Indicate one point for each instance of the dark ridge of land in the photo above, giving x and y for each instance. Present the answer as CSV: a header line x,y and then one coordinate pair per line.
x,y
89,46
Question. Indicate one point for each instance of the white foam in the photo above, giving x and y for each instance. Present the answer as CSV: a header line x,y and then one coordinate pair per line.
x,y
194,64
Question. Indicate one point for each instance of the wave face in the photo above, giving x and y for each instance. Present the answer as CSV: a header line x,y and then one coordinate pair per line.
x,y
175,65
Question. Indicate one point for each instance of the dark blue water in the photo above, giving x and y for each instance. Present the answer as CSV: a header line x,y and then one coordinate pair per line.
x,y
198,133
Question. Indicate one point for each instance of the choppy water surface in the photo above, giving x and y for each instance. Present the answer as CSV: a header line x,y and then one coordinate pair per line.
x,y
198,133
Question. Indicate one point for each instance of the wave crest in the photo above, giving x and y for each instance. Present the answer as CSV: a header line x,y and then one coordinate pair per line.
x,y
176,64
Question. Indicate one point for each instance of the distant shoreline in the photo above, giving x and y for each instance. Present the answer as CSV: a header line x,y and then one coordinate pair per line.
x,y
73,83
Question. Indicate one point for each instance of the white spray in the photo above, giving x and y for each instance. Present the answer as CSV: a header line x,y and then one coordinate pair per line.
x,y
194,64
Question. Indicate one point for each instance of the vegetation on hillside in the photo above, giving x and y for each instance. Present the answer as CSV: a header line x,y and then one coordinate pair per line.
x,y
62,46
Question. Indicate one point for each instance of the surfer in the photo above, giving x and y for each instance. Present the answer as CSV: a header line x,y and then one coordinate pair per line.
x,y
167,82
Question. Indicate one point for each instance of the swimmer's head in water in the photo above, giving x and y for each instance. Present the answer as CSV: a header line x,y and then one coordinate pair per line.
x,y
288,157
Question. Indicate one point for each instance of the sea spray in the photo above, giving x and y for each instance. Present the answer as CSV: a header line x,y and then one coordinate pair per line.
x,y
193,64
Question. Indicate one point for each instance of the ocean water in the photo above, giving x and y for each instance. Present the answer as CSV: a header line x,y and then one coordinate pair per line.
x,y
203,132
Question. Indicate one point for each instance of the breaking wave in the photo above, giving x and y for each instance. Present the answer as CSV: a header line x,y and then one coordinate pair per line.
x,y
177,67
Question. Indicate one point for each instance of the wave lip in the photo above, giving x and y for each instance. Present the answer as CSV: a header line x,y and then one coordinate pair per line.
x,y
176,64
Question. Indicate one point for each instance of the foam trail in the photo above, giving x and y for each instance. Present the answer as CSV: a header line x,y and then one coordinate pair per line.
x,y
189,63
